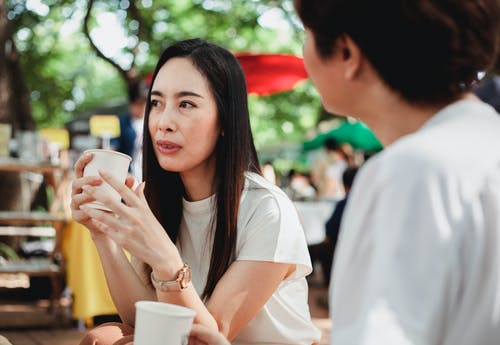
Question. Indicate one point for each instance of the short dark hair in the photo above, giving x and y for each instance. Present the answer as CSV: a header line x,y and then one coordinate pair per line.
x,y
429,51
137,89
235,153
331,144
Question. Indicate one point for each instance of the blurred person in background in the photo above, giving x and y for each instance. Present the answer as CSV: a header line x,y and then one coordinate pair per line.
x,y
300,187
131,126
418,257
324,251
268,172
349,154
327,171
488,90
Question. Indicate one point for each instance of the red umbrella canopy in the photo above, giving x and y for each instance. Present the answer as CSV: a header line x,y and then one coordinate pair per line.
x,y
270,73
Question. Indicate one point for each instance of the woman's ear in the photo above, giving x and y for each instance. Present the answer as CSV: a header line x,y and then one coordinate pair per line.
x,y
352,57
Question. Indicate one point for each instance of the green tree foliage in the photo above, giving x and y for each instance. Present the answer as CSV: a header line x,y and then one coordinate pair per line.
x,y
68,76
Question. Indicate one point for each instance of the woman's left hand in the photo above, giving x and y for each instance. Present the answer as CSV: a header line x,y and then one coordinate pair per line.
x,y
203,335
132,225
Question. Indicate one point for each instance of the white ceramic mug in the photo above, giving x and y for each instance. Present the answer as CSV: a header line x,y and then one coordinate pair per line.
x,y
158,323
116,163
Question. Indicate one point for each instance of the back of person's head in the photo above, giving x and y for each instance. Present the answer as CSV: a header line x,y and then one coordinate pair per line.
x,y
235,152
428,51
348,177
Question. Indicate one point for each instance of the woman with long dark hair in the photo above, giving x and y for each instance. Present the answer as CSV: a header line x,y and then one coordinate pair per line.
x,y
204,230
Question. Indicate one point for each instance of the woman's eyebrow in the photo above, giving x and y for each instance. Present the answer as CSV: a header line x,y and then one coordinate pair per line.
x,y
188,93
156,93
178,94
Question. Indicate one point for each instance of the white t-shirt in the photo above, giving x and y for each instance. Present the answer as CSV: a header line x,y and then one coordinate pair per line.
x,y
268,230
418,260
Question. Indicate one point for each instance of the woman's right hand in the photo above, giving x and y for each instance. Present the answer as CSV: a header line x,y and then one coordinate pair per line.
x,y
79,197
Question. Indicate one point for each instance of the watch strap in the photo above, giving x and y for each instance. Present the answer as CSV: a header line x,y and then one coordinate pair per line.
x,y
180,283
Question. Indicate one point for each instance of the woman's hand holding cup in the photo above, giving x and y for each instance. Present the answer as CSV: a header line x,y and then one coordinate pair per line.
x,y
87,174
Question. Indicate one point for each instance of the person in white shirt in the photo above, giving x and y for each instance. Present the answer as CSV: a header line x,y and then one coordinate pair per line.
x,y
131,126
418,258
205,230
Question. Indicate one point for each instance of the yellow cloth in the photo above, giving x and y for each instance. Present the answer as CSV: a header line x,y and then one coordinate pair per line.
x,y
85,276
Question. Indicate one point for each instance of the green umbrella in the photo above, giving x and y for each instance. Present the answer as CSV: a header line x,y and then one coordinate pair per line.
x,y
355,133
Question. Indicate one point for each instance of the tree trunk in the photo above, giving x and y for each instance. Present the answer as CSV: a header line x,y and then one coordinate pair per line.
x,y
14,109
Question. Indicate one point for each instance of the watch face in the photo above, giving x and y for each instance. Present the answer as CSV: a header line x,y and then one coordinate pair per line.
x,y
184,276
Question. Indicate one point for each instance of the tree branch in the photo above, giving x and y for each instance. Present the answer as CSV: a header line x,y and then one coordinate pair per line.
x,y
288,17
125,74
144,32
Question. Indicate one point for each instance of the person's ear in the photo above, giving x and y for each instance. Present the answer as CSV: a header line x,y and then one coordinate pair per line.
x,y
352,57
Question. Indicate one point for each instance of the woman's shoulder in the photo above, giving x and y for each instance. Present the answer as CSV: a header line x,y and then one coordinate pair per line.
x,y
256,186
263,197
265,215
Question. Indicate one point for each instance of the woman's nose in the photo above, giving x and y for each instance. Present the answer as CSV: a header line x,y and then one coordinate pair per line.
x,y
166,122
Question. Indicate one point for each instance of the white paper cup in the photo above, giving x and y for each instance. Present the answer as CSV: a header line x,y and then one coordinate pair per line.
x,y
115,162
158,323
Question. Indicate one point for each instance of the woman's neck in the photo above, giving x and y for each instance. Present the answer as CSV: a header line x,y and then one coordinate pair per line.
x,y
199,183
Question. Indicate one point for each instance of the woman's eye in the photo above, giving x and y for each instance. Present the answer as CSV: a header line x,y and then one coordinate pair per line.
x,y
155,103
185,104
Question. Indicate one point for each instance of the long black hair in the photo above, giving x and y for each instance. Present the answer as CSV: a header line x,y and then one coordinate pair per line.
x,y
235,153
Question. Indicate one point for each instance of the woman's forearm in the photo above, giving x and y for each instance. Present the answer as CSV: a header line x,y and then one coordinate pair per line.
x,y
167,269
190,299
124,284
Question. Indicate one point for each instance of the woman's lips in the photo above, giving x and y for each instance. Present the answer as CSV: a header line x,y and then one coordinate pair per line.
x,y
167,147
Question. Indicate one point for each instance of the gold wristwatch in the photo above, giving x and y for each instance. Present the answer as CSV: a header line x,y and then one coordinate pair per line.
x,y
180,283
